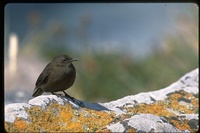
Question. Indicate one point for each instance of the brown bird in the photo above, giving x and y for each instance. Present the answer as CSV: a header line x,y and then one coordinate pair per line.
x,y
58,75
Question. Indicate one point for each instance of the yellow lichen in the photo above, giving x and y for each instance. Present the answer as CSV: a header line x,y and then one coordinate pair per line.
x,y
131,130
104,130
181,125
64,118
57,117
20,124
159,108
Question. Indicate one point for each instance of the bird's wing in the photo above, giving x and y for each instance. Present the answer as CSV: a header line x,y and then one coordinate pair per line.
x,y
43,78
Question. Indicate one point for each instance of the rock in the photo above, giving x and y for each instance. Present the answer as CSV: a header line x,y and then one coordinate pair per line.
x,y
171,109
143,123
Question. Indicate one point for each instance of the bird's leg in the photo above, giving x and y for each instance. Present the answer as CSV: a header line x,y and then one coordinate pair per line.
x,y
72,98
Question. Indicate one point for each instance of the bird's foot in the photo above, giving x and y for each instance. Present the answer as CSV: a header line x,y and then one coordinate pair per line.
x,y
59,95
74,100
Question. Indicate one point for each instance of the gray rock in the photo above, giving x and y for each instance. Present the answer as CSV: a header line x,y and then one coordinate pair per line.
x,y
16,110
150,123
117,127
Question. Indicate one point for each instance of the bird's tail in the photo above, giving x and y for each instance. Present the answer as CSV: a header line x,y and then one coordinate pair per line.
x,y
37,92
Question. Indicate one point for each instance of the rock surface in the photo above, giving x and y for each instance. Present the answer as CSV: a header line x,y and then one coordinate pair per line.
x,y
172,109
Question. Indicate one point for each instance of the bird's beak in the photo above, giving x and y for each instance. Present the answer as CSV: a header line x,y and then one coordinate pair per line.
x,y
74,60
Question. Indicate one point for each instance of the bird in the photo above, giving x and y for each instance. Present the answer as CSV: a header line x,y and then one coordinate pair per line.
x,y
58,75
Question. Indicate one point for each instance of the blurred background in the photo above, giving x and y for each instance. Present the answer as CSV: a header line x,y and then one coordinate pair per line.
x,y
123,49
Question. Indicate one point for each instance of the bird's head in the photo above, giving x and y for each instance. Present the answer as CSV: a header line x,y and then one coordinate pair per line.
x,y
63,60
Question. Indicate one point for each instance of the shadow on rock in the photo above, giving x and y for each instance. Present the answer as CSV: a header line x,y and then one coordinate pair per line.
x,y
94,106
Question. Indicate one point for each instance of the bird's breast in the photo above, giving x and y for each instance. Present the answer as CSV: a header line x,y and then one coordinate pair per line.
x,y
61,79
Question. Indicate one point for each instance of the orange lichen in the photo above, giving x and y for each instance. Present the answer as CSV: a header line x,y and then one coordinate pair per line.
x,y
75,127
181,108
84,120
181,125
65,118
131,130
66,114
56,117
104,130
20,124
160,108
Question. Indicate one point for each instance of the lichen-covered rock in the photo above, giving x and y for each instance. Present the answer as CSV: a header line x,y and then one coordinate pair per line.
x,y
143,123
172,109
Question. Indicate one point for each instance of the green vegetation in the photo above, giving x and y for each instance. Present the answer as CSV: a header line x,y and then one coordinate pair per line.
x,y
105,77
